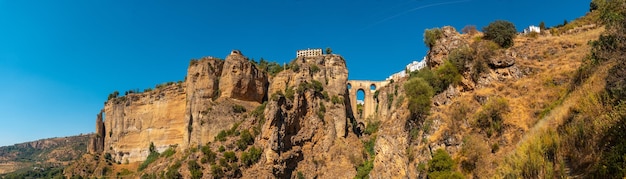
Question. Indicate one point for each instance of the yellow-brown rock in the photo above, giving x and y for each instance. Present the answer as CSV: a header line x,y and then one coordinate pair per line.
x,y
241,79
134,121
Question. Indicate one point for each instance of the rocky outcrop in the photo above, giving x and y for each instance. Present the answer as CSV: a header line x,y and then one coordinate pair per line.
x,y
180,113
240,79
96,143
450,40
306,131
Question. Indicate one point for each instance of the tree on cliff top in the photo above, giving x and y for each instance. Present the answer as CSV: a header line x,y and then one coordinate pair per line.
x,y
501,32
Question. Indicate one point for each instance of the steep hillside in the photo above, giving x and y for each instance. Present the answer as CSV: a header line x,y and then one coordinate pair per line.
x,y
42,156
541,105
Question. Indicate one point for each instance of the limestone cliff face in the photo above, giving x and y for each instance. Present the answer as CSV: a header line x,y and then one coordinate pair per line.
x,y
240,79
180,113
134,121
203,88
306,132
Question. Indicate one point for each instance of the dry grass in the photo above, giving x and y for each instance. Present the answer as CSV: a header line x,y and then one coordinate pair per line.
x,y
537,101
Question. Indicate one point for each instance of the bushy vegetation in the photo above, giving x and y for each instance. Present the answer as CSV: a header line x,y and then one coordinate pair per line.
x,y
153,156
245,139
490,118
194,169
172,171
252,156
501,32
321,111
442,166
230,156
372,127
336,99
364,169
209,155
419,94
314,69
431,36
221,136
169,152
272,68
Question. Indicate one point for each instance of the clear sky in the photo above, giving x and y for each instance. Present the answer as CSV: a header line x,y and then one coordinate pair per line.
x,y
60,59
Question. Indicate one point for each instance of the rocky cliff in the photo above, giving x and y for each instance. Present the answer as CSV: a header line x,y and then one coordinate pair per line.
x,y
304,128
237,121
178,114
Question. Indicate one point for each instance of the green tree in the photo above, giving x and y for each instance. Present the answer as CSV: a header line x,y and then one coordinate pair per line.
x,y
329,51
419,93
431,36
501,32
442,166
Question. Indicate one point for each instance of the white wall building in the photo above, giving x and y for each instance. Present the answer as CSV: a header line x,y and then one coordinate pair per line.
x,y
309,52
413,66
532,28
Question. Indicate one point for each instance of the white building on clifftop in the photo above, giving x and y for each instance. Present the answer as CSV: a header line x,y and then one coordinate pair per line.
x,y
413,66
532,28
309,52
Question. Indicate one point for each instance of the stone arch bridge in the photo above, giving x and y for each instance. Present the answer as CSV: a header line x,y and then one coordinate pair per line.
x,y
369,103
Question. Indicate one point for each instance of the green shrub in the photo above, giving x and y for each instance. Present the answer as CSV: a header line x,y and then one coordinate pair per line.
x,y
153,156
221,148
252,156
448,75
217,171
169,152
461,56
317,86
363,170
372,127
245,140
238,108
194,169
230,156
501,32
325,94
321,111
314,69
289,93
431,36
419,94
221,136
442,166
369,147
172,171
209,155
335,100
293,65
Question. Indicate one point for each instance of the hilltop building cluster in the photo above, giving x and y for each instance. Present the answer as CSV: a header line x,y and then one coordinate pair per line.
x,y
413,66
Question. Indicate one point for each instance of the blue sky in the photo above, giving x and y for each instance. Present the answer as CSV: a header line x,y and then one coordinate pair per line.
x,y
60,59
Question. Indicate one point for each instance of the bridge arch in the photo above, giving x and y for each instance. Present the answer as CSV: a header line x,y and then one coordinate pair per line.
x,y
369,103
